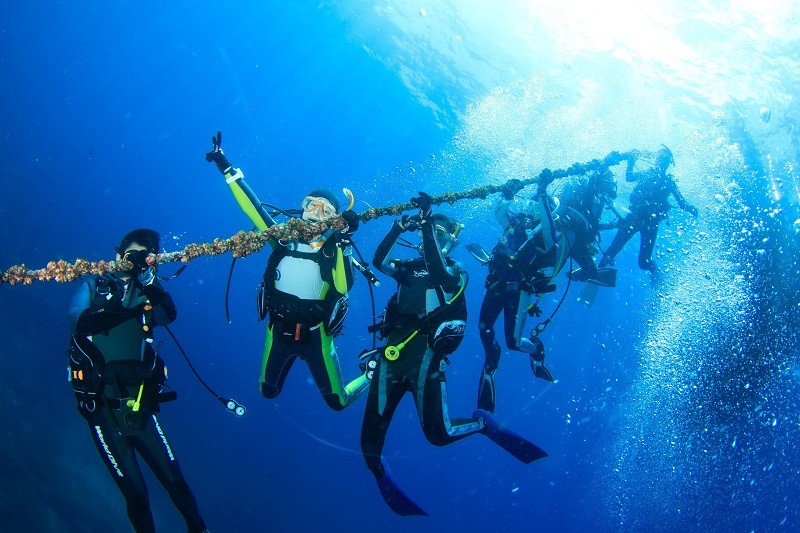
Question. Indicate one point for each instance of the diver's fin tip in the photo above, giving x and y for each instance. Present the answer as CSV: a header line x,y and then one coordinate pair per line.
x,y
521,448
397,500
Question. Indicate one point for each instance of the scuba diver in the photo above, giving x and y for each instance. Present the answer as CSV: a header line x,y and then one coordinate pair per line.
x,y
533,249
518,267
423,323
649,206
582,204
304,291
117,375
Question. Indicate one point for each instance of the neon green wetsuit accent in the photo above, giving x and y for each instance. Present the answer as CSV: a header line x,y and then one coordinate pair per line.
x,y
290,332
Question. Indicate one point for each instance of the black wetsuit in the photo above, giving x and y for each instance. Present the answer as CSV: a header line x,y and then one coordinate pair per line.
x,y
425,286
582,206
114,367
516,271
649,206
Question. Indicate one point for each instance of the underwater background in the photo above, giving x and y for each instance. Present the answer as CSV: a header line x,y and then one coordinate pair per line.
x,y
676,404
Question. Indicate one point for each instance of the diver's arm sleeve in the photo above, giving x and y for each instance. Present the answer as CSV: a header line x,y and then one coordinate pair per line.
x,y
545,209
501,212
381,258
434,259
673,188
87,320
164,310
248,200
630,174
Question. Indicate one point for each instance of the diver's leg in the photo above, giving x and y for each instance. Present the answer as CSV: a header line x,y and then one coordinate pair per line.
x,y
649,232
623,235
432,404
275,365
580,253
516,314
155,449
490,309
121,463
382,399
323,362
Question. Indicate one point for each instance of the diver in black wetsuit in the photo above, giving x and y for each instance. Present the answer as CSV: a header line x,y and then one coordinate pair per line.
x,y
516,273
116,375
582,204
649,206
424,323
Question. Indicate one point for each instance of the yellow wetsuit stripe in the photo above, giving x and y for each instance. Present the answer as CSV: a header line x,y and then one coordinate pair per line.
x,y
339,274
246,204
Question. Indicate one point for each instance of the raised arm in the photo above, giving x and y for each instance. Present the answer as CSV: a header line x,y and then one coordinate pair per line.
x,y
632,157
234,177
381,259
435,261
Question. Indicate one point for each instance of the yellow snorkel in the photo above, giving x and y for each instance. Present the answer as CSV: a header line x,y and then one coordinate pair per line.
x,y
350,197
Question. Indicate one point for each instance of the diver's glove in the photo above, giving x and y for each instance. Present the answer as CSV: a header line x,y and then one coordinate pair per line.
x,y
511,188
613,158
217,156
353,221
408,223
545,179
154,293
425,204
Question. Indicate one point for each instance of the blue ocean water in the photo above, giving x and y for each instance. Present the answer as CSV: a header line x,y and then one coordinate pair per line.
x,y
675,406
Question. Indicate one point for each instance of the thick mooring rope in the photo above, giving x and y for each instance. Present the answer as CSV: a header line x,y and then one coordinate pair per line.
x,y
245,243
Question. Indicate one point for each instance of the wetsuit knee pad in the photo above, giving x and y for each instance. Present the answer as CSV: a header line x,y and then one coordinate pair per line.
x,y
268,391
333,400
447,336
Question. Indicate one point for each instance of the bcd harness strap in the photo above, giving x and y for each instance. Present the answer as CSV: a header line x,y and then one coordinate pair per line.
x,y
331,267
90,373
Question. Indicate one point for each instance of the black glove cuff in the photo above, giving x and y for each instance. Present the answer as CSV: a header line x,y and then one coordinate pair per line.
x,y
223,164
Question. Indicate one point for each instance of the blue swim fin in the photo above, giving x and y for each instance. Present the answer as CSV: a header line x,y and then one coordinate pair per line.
x,y
394,496
521,448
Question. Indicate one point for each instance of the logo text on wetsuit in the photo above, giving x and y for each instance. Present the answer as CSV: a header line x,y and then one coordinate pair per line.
x,y
164,439
108,452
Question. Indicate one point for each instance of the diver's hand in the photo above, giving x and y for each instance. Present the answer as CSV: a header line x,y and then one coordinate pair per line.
x,y
511,188
425,204
692,210
545,179
408,223
613,158
154,293
217,156
353,221
138,260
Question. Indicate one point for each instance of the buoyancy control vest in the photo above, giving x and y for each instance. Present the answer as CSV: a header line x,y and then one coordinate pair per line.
x,y
112,366
289,301
442,323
